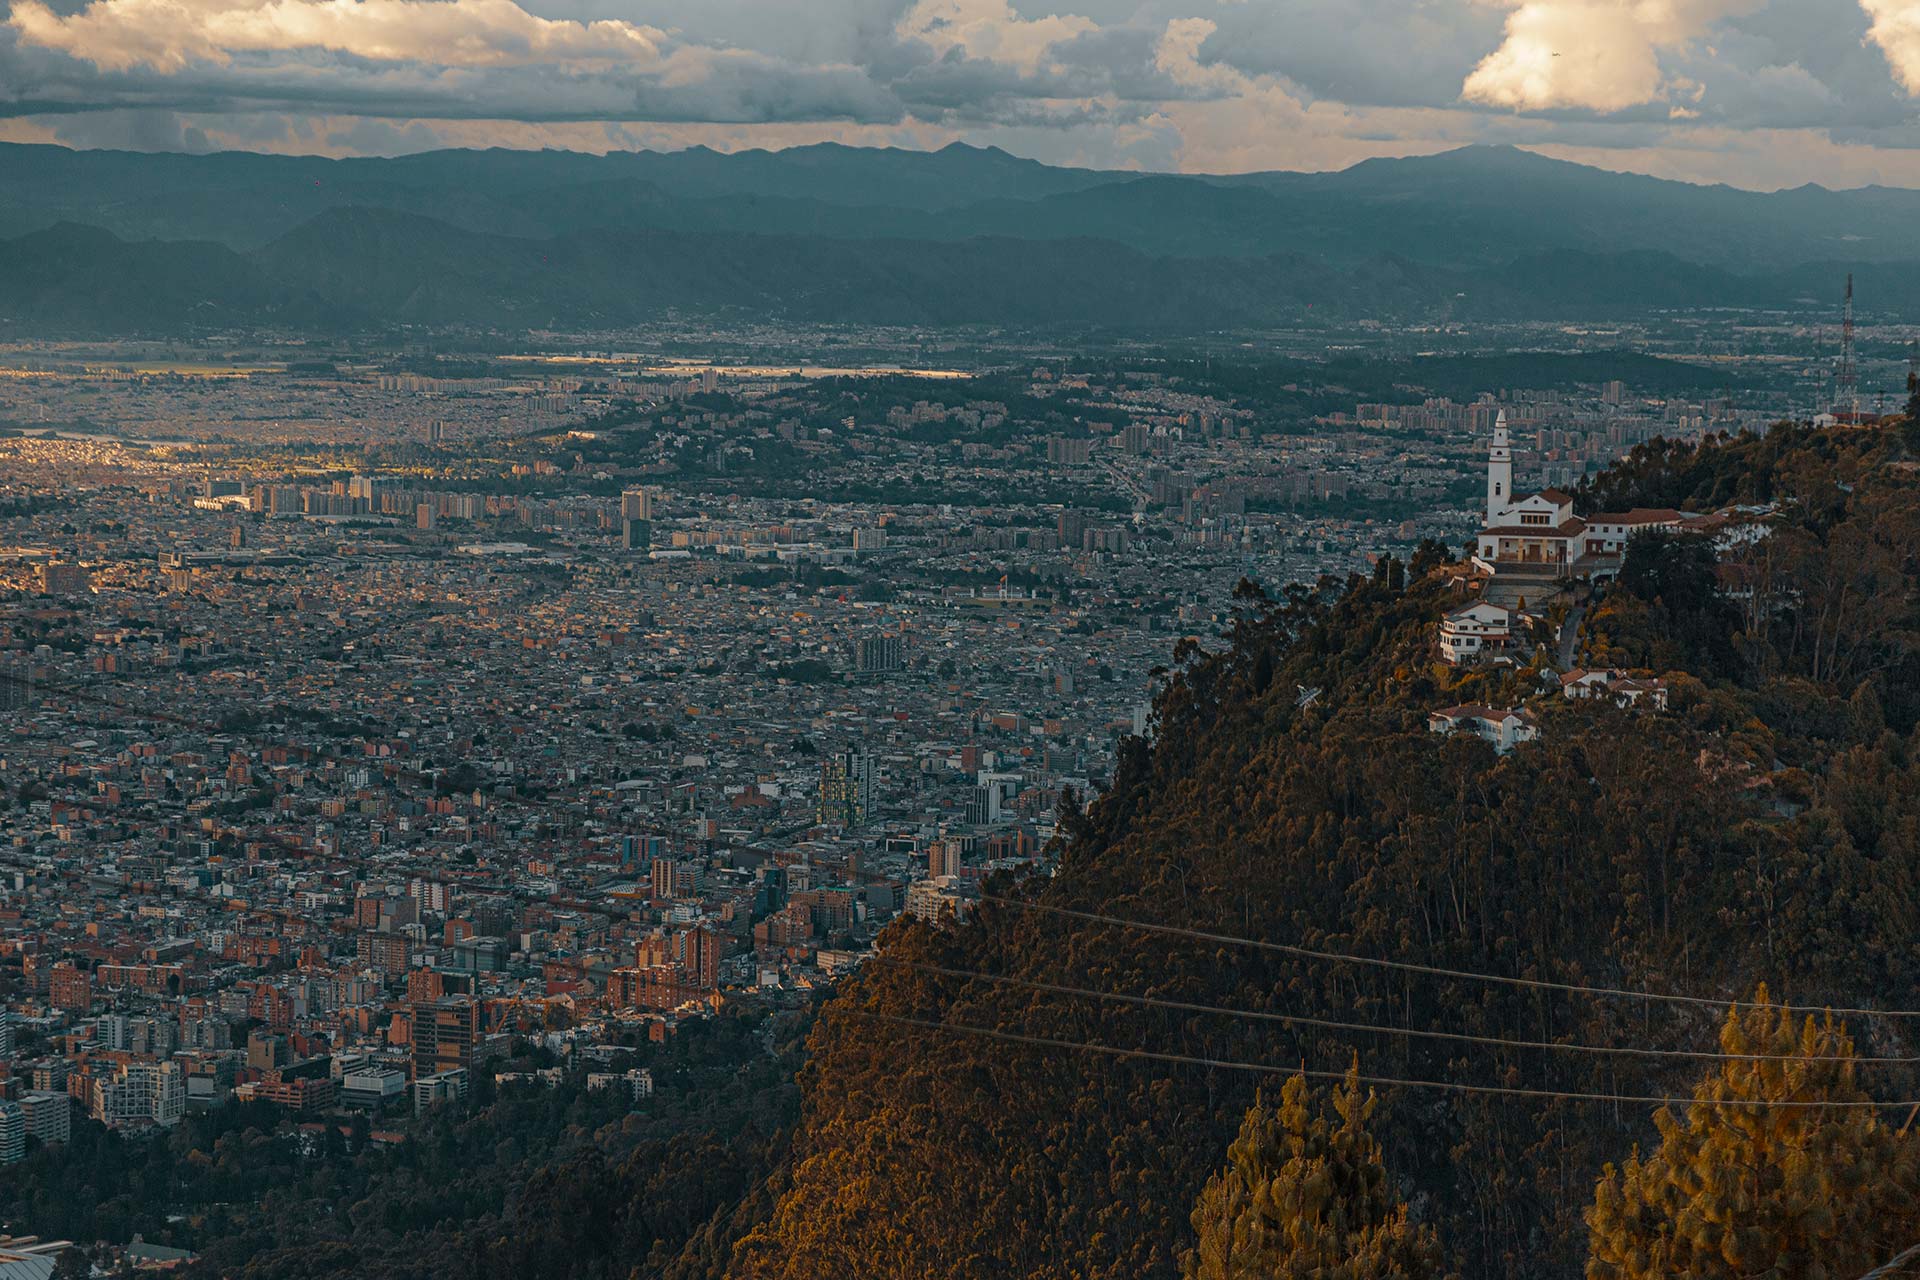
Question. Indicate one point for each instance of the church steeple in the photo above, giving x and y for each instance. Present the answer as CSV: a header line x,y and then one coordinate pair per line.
x,y
1499,471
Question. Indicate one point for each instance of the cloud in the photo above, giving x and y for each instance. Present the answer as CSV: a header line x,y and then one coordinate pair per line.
x,y
990,30
167,35
1896,29
1361,52
1197,84
1596,55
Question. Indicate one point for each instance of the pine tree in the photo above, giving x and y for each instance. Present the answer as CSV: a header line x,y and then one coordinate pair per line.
x,y
1788,1193
1305,1197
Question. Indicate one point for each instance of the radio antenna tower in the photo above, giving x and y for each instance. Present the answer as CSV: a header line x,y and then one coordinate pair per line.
x,y
1847,390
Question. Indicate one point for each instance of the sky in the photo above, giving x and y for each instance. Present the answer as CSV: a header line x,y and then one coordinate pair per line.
x,y
1756,93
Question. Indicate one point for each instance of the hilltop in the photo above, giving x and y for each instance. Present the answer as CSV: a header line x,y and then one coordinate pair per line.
x,y
1760,829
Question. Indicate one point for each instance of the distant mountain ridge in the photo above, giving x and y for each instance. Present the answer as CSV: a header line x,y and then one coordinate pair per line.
x,y
961,236
1473,207
356,268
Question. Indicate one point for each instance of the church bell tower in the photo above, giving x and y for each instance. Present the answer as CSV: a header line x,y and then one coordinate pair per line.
x,y
1499,471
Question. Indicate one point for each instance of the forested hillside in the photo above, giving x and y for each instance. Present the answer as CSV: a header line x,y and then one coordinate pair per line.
x,y
1764,829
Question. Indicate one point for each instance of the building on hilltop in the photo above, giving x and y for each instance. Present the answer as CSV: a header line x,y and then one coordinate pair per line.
x,y
1504,728
1539,534
1475,633
1625,690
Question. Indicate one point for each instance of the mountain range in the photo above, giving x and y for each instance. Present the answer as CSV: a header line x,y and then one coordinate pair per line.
x,y
100,241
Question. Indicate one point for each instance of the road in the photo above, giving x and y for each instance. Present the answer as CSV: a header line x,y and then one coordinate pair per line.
x,y
1570,635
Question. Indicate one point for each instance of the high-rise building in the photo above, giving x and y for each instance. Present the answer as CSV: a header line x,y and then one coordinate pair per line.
x,y
388,952
673,879
869,539
444,1036
637,504
6,1034
1063,451
943,858
141,1093
846,790
431,896
423,516
64,579
13,1133
70,988
699,950
636,535
49,1117
880,653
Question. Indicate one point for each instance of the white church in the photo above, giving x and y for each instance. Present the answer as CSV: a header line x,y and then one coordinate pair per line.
x,y
1538,535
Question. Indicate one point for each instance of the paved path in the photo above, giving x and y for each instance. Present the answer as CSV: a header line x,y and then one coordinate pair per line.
x,y
1570,636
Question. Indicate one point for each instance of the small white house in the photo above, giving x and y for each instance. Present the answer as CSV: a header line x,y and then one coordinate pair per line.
x,y
1505,729
1625,690
1474,632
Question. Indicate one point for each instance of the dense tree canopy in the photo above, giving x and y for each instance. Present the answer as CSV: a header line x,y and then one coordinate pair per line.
x,y
1765,828
1306,1197
1736,1190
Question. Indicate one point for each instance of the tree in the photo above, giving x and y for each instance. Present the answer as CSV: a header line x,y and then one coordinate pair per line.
x,y
1910,432
1738,1189
1306,1195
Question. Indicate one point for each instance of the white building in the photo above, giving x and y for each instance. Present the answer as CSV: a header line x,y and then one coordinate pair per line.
x,y
372,1086
1625,690
49,1117
1505,729
638,1082
444,1086
13,1132
1540,532
1475,632
142,1093
935,898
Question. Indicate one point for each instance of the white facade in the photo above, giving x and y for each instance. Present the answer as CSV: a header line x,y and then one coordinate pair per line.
x,y
142,1093
1625,690
1470,634
1505,729
445,1086
13,1132
49,1117
1539,532
373,1084
638,1082
1499,470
